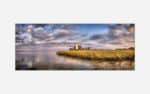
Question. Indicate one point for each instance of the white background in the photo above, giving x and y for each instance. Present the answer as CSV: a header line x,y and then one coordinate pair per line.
x,y
74,82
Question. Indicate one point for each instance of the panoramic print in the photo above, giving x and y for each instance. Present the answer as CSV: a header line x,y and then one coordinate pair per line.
x,y
75,46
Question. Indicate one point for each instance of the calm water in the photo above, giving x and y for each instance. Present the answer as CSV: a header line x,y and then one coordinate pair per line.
x,y
45,58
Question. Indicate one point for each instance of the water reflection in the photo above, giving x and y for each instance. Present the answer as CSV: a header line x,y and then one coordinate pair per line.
x,y
45,58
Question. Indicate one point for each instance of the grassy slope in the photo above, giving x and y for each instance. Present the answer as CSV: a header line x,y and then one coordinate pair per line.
x,y
100,54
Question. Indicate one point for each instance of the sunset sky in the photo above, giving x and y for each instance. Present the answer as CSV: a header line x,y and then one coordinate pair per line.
x,y
98,36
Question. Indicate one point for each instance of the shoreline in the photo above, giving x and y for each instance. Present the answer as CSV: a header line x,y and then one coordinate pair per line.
x,y
108,55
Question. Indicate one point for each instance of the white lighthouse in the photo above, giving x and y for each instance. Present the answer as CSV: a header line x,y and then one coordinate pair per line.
x,y
76,47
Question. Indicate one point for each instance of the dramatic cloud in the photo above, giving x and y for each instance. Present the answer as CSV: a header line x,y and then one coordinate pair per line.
x,y
39,33
61,33
118,36
98,36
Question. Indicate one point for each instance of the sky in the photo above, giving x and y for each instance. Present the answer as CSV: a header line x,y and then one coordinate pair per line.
x,y
96,36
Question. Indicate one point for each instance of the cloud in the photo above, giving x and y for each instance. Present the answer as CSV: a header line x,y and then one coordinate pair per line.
x,y
84,35
117,35
96,37
63,26
64,34
39,33
61,33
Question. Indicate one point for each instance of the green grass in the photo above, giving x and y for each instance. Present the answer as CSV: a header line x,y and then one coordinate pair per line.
x,y
124,54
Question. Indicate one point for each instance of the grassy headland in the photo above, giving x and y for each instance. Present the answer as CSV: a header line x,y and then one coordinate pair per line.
x,y
122,54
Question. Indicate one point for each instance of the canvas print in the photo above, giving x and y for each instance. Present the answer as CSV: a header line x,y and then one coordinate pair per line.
x,y
90,46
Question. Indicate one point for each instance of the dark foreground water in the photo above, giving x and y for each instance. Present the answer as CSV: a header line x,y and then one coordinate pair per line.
x,y
45,58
